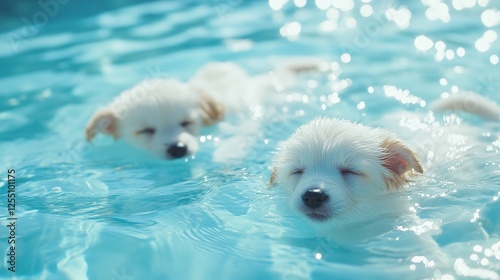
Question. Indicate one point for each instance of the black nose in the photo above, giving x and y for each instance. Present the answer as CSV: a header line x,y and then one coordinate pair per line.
x,y
177,150
313,198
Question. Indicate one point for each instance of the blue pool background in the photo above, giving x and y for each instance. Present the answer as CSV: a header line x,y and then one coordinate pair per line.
x,y
107,211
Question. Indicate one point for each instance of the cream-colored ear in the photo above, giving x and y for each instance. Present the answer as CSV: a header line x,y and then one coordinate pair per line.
x,y
401,162
103,121
212,111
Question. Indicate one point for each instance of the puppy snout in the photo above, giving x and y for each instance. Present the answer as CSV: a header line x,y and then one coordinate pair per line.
x,y
314,198
177,150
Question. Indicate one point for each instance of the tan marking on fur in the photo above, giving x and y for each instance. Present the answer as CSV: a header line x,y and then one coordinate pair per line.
x,y
103,121
402,176
274,177
213,111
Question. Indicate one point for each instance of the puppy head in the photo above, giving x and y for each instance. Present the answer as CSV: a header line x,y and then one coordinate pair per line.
x,y
161,116
329,165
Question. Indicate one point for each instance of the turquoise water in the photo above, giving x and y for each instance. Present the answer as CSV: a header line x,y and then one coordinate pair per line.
x,y
107,211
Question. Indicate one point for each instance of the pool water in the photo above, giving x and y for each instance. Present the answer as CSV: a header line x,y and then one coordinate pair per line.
x,y
107,211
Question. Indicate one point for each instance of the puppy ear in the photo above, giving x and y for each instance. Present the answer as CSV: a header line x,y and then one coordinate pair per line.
x,y
274,177
103,121
401,163
212,111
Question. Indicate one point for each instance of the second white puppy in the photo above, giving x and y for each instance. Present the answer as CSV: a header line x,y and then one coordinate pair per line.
x,y
164,116
331,166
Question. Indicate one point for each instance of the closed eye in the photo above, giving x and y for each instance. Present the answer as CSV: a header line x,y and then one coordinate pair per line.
x,y
186,123
299,171
348,172
147,131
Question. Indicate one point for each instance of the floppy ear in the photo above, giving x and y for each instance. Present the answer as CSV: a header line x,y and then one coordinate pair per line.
x,y
274,177
400,161
212,111
103,121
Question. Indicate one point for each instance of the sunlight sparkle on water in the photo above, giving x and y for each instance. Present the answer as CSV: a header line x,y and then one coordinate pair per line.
x,y
474,257
462,269
463,4
483,3
343,5
423,43
440,46
436,11
401,17
483,44
477,248
366,10
350,22
322,4
335,66
291,30
449,54
300,3
475,216
490,17
423,260
361,105
490,36
404,96
333,14
277,4
345,58
488,252
494,59
439,56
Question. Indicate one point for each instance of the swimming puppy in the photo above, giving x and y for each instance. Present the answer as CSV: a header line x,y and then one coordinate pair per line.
x,y
337,170
164,116
332,168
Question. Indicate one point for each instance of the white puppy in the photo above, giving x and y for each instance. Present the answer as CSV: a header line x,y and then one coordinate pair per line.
x,y
333,167
343,178
165,116
336,170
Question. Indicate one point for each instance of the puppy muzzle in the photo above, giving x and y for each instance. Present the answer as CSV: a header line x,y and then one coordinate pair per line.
x,y
314,198
177,150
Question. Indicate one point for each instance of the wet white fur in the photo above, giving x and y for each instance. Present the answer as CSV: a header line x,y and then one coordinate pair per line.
x,y
163,104
324,147
361,207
